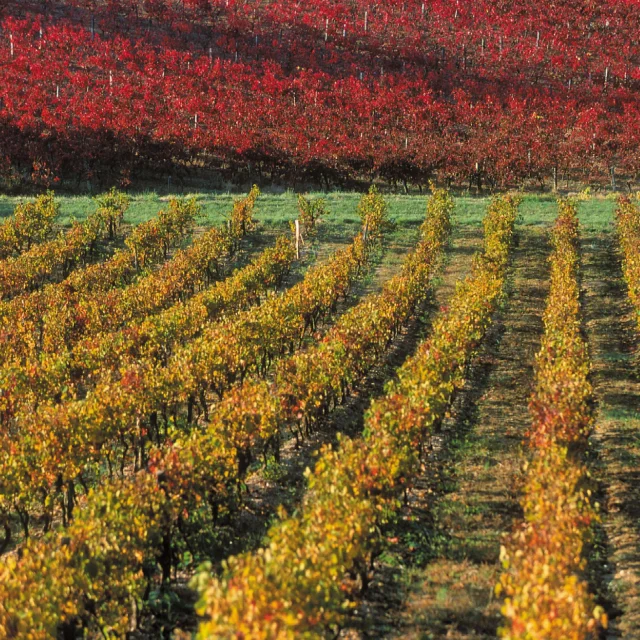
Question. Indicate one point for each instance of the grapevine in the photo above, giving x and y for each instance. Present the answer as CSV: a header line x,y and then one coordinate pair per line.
x,y
543,561
628,227
205,463
294,587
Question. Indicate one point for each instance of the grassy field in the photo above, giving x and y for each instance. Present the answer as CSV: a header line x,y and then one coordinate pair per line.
x,y
277,209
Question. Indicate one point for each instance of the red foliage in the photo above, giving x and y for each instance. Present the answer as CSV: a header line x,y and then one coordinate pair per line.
x,y
498,91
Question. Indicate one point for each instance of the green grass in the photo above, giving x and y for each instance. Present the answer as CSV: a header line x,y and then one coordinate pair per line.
x,y
277,209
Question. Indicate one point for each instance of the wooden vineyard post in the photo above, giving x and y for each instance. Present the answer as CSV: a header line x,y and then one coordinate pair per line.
x,y
365,231
299,240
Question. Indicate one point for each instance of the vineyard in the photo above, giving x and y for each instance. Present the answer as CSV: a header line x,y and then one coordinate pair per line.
x,y
319,320
415,418
471,93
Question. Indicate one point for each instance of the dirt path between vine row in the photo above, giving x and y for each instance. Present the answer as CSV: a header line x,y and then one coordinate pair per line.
x,y
437,576
613,344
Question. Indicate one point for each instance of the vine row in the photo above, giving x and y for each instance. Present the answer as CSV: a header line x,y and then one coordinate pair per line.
x,y
628,228
204,467
30,224
41,375
546,593
32,268
47,319
56,445
296,586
